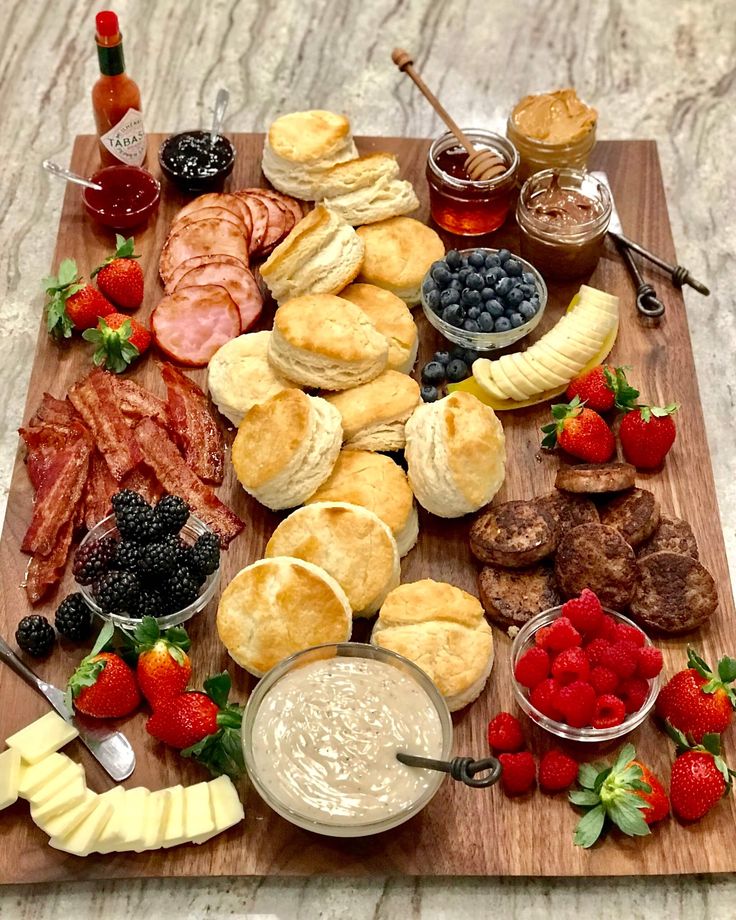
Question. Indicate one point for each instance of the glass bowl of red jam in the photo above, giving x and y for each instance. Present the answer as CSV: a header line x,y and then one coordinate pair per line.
x,y
196,163
129,195
457,203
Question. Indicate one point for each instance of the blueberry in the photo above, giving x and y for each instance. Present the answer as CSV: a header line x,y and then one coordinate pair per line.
x,y
485,322
470,325
494,275
457,370
502,324
471,298
440,263
535,300
504,286
448,296
463,273
456,284
495,308
454,315
470,356
528,278
443,357
477,258
434,372
429,284
527,289
429,394
475,281
513,298
457,353
433,299
503,255
487,293
526,310
442,275
513,268
473,313
492,260
453,259
516,320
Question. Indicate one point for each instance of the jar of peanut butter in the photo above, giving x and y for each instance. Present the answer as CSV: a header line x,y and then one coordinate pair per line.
x,y
552,129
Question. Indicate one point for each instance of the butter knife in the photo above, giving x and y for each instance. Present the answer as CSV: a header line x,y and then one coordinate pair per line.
x,y
110,748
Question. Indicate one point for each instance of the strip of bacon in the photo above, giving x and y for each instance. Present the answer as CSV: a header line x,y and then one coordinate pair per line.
x,y
177,478
136,402
53,411
46,572
94,399
43,442
143,481
193,426
58,496
98,491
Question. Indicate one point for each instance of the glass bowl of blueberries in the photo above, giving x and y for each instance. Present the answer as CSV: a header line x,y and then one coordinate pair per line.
x,y
483,299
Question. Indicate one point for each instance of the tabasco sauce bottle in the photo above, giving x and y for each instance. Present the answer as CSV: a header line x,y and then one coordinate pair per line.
x,y
116,100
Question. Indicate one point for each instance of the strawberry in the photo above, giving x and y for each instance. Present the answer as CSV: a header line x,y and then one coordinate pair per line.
x,y
532,668
518,772
584,612
504,733
627,794
557,771
698,702
579,431
73,305
646,434
602,388
120,277
103,686
203,726
164,667
699,778
120,339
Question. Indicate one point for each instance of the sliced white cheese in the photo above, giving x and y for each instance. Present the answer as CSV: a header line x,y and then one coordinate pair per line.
x,y
63,823
9,777
33,778
227,809
56,784
157,814
110,836
70,794
42,737
132,810
83,839
175,831
199,819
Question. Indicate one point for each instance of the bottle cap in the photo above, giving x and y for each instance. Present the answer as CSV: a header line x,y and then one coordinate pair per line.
x,y
107,24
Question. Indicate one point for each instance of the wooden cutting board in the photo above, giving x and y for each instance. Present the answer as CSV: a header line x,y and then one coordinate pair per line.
x,y
463,831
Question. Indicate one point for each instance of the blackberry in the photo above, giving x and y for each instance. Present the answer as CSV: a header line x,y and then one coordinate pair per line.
x,y
171,514
128,556
184,554
93,559
35,635
118,592
134,516
181,588
206,553
74,618
152,604
159,558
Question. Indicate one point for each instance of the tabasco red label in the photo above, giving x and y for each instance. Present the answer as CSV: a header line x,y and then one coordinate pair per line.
x,y
126,140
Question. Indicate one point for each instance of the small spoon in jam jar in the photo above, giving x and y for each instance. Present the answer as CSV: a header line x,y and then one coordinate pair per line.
x,y
66,174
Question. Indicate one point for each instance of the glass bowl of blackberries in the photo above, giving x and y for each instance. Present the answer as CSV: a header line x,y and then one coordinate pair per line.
x,y
483,299
148,560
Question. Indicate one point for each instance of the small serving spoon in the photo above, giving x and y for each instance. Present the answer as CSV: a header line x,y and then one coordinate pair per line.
x,y
221,101
461,769
480,165
68,175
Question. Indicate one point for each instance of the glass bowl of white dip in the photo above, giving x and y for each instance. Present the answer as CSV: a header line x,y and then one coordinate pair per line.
x,y
321,731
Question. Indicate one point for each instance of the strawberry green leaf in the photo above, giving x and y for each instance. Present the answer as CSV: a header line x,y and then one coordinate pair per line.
x,y
681,742
727,669
626,814
103,639
601,778
584,798
589,827
114,351
147,634
588,774
179,637
221,752
625,756
712,743
662,411
217,688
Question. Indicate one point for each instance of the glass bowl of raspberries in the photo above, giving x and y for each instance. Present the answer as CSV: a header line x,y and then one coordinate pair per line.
x,y
148,560
584,672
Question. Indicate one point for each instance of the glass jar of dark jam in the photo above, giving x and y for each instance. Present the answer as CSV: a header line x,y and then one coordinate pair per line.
x,y
457,203
194,162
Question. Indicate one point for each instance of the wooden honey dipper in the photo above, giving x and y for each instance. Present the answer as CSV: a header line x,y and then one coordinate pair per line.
x,y
480,165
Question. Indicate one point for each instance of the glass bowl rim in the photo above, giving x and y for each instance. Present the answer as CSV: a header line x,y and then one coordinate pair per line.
x,y
585,231
483,134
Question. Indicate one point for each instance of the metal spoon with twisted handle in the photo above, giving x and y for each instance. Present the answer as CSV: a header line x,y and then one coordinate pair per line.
x,y
462,769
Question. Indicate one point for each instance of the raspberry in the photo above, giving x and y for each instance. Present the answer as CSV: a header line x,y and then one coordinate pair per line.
x,y
609,711
621,657
626,633
604,680
518,773
532,667
584,612
557,771
558,636
544,699
607,629
577,703
570,665
595,649
648,662
504,733
633,692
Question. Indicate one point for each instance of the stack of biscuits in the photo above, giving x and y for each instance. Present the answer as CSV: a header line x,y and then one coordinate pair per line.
x,y
597,530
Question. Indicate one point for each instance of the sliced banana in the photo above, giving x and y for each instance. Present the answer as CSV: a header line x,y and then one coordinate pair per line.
x,y
551,379
518,378
483,377
551,358
502,381
524,367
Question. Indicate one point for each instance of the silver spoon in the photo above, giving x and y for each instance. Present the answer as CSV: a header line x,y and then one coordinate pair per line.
x,y
69,176
223,97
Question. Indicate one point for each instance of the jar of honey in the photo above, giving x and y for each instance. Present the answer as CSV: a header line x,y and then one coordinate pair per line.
x,y
459,204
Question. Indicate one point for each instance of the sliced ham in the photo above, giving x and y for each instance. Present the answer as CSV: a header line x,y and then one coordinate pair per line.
x,y
280,219
193,425
202,238
176,477
94,399
136,402
211,200
239,282
287,201
259,219
193,322
189,264
98,491
211,214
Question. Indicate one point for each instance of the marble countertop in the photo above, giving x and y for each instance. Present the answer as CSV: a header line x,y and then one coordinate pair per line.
x,y
663,69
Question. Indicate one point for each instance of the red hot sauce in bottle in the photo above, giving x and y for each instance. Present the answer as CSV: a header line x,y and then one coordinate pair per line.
x,y
116,99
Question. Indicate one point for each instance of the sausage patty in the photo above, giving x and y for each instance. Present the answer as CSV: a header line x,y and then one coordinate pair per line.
x,y
511,598
514,534
672,536
673,593
597,557
596,477
634,514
